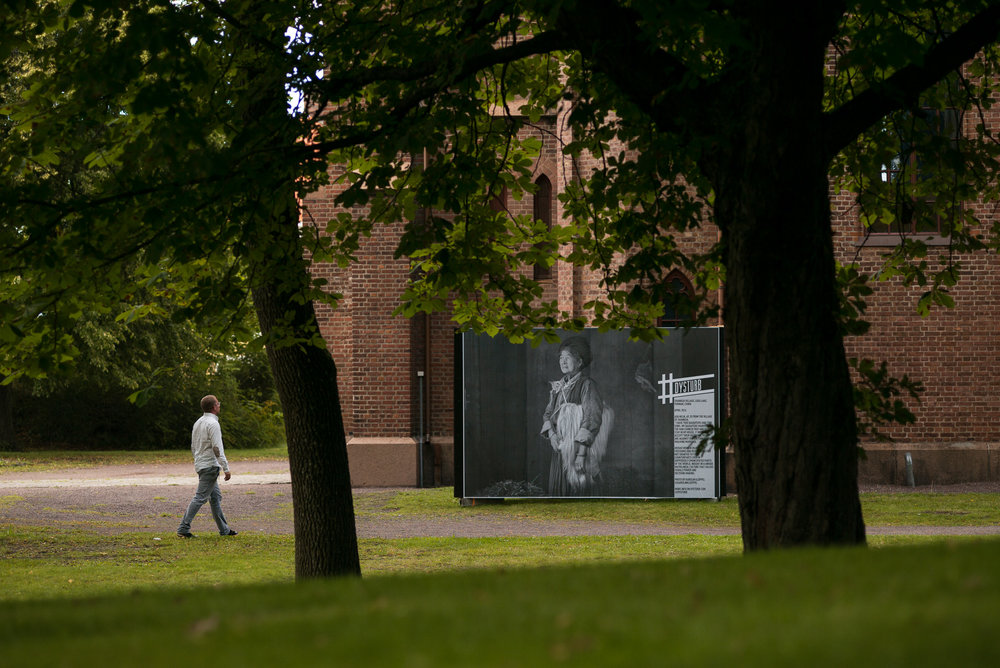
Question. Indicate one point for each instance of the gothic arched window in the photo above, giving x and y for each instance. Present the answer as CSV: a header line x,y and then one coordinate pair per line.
x,y
542,210
673,315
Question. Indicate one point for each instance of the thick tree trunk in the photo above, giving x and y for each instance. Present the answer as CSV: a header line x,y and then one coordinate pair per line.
x,y
305,375
306,378
793,423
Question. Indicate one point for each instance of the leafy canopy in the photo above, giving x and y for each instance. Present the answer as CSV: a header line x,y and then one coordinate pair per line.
x,y
129,166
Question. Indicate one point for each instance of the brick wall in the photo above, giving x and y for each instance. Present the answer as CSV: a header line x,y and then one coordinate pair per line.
x,y
373,351
953,352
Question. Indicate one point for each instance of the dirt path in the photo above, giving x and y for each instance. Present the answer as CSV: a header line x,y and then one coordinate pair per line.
x,y
258,498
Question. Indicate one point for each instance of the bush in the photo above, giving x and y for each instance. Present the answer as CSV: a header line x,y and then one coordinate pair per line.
x,y
74,414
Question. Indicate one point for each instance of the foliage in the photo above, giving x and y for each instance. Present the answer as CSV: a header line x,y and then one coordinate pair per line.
x,y
164,368
98,278
683,112
166,111
649,186
110,240
75,414
645,186
878,397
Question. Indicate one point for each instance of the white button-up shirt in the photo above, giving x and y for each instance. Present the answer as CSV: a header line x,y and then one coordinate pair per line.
x,y
206,443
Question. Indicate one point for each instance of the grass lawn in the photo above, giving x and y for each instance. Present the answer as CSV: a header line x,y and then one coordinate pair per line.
x,y
37,563
78,598
917,605
908,509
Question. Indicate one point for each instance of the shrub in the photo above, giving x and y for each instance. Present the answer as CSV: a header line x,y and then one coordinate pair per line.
x,y
91,408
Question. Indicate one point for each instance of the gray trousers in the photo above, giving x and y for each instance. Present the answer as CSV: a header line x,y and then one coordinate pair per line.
x,y
208,490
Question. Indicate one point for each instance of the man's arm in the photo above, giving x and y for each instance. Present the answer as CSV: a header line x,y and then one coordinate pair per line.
x,y
218,450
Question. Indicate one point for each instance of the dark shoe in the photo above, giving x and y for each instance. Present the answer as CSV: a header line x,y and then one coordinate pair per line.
x,y
185,534
231,533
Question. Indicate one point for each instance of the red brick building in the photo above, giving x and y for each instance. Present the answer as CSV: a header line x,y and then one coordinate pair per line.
x,y
396,374
953,352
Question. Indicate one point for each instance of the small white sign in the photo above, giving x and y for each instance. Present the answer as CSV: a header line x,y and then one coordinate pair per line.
x,y
694,474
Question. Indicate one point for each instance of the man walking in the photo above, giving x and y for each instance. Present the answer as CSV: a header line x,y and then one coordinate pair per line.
x,y
209,458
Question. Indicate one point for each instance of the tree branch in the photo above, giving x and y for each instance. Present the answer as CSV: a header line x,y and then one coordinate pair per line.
x,y
266,45
903,88
611,37
335,87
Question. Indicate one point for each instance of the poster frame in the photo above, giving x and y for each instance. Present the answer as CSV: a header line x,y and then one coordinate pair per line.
x,y
463,455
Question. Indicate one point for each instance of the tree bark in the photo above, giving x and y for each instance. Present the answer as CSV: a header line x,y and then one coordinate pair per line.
x,y
792,414
793,422
306,379
305,375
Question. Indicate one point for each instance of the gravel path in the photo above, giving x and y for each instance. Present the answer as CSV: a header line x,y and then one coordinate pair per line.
x,y
258,498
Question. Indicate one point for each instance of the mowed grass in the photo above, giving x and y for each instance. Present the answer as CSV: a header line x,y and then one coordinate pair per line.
x,y
904,509
38,563
931,509
41,563
919,605
77,597
82,559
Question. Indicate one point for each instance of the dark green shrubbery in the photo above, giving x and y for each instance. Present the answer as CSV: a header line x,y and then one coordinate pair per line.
x,y
138,387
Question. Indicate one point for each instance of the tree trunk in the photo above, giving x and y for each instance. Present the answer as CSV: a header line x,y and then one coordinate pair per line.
x,y
306,379
792,414
305,375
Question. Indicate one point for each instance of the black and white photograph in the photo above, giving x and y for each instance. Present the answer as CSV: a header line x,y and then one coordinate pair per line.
x,y
595,415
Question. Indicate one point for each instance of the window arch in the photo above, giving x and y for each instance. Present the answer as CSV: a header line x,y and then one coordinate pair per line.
x,y
542,210
675,314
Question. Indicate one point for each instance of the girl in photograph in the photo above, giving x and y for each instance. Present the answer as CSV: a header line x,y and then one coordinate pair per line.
x,y
576,424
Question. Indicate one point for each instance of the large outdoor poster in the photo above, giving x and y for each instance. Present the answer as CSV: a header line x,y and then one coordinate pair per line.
x,y
595,415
